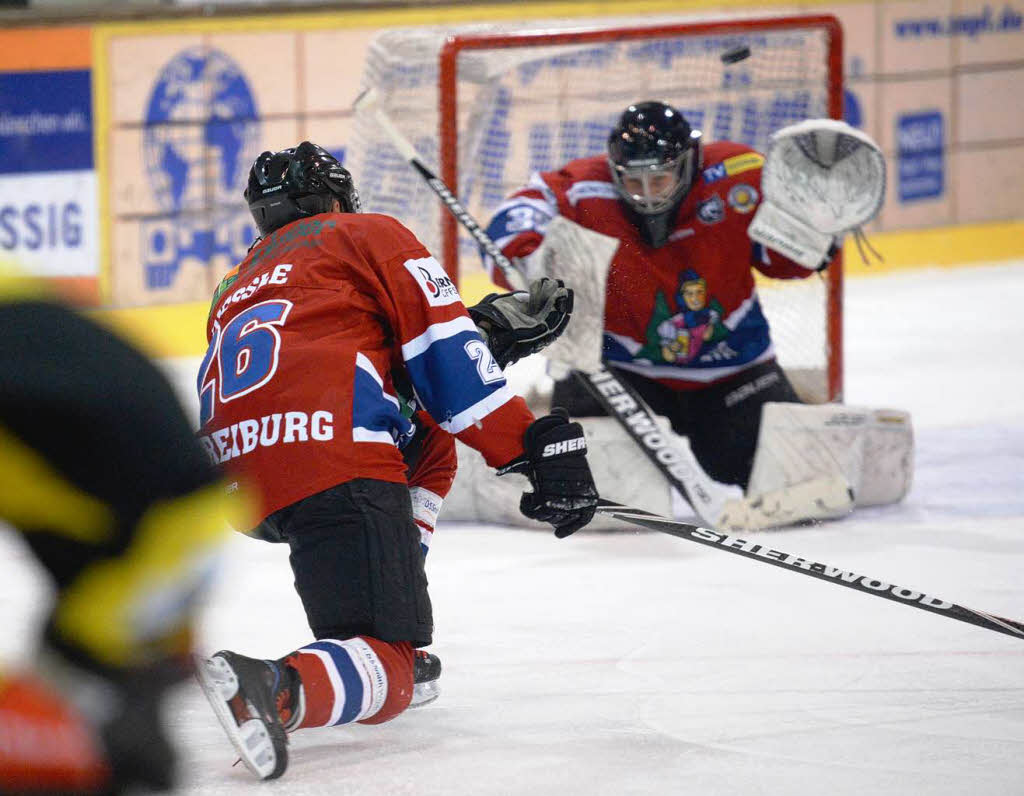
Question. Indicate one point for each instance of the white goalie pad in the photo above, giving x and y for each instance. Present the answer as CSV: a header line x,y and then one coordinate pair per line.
x,y
871,449
621,472
579,257
821,179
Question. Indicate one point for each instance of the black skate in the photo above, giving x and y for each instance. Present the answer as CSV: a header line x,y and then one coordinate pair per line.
x,y
426,679
246,693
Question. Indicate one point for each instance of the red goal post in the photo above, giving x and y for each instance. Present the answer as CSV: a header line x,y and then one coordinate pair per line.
x,y
795,67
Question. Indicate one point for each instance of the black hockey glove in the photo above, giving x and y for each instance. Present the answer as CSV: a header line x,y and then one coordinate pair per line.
x,y
555,461
515,325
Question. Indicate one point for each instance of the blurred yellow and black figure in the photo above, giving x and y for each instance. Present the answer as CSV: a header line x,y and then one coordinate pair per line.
x,y
101,473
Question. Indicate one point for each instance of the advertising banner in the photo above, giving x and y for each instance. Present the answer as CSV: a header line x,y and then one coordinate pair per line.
x,y
48,190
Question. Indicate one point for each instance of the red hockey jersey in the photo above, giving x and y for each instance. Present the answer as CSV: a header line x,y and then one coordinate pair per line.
x,y
307,338
685,314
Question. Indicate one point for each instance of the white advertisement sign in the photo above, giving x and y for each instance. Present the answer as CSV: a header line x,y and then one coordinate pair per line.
x,y
49,222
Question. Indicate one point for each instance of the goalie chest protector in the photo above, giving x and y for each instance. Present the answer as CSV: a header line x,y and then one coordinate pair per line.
x,y
686,313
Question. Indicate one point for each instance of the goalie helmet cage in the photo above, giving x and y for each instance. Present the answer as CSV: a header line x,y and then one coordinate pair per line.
x,y
490,104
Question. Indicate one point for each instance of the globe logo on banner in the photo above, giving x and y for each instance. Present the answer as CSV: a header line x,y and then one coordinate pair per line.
x,y
201,135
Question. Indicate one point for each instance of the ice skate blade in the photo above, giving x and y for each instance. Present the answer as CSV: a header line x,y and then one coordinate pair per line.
x,y
425,693
251,740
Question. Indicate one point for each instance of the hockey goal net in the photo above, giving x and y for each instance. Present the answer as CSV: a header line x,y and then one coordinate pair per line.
x,y
488,105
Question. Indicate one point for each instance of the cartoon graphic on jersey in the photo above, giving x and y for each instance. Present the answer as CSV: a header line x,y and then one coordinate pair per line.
x,y
679,337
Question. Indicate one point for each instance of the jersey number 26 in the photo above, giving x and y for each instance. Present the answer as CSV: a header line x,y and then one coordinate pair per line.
x,y
242,356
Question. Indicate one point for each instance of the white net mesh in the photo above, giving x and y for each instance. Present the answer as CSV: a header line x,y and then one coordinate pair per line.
x,y
531,108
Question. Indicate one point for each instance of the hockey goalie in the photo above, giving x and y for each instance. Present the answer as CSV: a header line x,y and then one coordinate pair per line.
x,y
659,240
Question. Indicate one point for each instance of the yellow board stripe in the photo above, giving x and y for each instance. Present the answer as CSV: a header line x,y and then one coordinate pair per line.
x,y
943,247
171,330
100,129
438,15
16,285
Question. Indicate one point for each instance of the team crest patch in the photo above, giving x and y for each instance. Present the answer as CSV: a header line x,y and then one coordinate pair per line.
x,y
743,198
712,210
436,285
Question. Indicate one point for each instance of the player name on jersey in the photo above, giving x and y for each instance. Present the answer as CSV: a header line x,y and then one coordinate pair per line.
x,y
279,428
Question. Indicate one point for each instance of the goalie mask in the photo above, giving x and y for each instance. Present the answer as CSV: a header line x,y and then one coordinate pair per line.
x,y
295,183
654,156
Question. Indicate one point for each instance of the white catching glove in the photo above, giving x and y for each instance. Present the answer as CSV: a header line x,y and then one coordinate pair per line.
x,y
821,179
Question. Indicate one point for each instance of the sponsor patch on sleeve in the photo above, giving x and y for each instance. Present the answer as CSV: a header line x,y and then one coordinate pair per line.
x,y
436,285
714,173
738,164
730,167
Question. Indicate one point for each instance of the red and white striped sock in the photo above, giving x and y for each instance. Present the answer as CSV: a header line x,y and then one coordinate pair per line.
x,y
359,679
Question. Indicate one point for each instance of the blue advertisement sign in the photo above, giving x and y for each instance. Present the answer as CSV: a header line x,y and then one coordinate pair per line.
x,y
45,121
48,216
920,158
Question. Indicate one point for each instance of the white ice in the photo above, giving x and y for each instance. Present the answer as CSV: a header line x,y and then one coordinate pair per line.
x,y
638,663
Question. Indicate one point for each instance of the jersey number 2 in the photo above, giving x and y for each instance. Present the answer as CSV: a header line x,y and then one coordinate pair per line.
x,y
245,352
488,370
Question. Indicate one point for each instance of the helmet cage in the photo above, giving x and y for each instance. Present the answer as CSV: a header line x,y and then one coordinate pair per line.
x,y
652,186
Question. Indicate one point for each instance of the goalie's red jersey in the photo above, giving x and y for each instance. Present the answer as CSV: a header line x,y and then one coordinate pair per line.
x,y
308,337
686,313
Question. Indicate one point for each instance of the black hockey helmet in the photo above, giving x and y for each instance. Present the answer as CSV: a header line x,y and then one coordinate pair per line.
x,y
654,157
295,183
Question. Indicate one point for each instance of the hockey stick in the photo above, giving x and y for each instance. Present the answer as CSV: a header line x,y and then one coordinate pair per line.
x,y
710,500
814,569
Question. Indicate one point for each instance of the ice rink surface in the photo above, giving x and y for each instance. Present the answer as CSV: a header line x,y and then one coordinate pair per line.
x,y
636,663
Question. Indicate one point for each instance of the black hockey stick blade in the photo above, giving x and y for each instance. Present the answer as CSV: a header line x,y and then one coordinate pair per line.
x,y
815,569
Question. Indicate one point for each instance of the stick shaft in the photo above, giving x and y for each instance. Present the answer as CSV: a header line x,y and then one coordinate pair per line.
x,y
814,569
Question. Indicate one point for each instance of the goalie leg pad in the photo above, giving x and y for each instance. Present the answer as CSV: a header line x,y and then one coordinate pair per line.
x,y
824,498
872,449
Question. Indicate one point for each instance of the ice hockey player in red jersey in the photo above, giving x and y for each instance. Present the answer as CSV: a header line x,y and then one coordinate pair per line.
x,y
682,321
341,363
